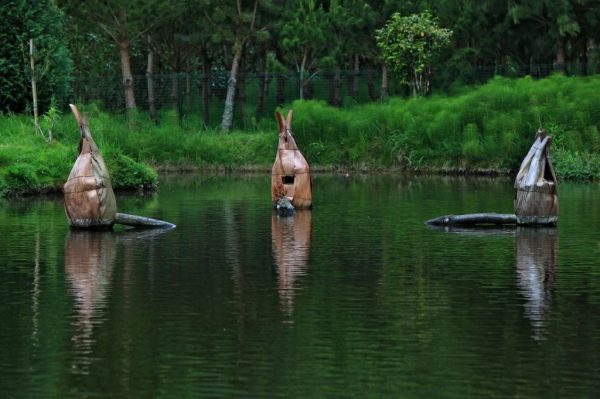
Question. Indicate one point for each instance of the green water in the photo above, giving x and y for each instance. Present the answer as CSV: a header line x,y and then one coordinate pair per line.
x,y
357,298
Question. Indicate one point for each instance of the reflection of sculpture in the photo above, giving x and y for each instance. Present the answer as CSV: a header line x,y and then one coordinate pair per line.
x,y
291,237
536,265
89,261
290,176
536,201
89,197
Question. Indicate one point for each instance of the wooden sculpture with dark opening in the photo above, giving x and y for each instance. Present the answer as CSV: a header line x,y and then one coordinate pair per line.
x,y
291,185
536,201
89,198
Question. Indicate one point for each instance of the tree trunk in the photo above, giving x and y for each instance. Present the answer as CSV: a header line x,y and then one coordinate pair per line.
x,y
309,89
371,84
355,77
150,85
280,89
241,91
126,74
336,88
174,89
262,86
584,57
229,99
560,55
206,83
384,82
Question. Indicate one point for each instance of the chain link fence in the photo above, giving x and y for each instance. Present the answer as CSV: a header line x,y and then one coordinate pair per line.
x,y
202,96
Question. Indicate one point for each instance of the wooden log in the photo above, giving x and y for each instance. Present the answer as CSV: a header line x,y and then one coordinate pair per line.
x,y
290,176
487,219
141,221
473,219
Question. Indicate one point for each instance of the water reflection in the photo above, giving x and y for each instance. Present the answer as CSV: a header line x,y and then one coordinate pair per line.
x,y
536,266
291,237
89,262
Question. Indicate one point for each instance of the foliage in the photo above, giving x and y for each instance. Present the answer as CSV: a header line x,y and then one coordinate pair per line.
x,y
408,46
489,128
41,21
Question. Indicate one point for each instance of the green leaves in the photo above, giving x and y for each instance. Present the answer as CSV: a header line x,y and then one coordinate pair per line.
x,y
408,45
41,21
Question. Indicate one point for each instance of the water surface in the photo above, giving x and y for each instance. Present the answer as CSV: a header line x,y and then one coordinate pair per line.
x,y
356,298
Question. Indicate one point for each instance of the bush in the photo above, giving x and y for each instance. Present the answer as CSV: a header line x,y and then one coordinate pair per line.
x,y
21,178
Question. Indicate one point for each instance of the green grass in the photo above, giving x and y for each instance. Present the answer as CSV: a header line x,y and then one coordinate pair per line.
x,y
488,127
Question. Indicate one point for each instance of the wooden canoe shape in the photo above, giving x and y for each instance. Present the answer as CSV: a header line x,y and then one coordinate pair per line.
x,y
89,198
536,201
290,176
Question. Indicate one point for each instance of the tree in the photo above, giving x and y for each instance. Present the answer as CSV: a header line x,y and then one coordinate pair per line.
x,y
408,45
235,24
303,32
41,21
123,21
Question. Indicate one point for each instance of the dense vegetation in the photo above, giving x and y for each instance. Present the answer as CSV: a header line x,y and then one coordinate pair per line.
x,y
41,21
488,128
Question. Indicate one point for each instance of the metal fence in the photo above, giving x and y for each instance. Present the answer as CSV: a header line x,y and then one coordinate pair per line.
x,y
202,96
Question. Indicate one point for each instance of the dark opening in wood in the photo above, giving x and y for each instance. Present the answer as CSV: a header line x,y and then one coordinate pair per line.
x,y
288,179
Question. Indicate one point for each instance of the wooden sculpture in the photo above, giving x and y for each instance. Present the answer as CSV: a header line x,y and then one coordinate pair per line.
x,y
290,176
536,201
89,198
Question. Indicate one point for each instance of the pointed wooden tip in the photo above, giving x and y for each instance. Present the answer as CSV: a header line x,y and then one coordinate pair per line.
x,y
76,113
280,121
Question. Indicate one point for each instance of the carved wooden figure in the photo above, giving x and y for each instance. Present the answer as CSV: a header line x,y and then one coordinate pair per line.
x,y
89,198
290,176
536,201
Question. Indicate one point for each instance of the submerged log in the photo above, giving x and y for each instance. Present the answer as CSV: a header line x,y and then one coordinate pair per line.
x,y
88,194
489,219
141,221
474,219
290,176
536,201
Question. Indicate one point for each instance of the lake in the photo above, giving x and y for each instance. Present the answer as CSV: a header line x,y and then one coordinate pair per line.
x,y
356,298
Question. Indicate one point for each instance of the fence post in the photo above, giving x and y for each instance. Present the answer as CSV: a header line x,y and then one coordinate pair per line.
x,y
180,88
299,85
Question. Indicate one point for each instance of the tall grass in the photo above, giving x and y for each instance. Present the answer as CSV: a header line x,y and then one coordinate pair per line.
x,y
490,126
486,127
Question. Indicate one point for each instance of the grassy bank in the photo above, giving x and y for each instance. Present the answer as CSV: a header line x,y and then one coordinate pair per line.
x,y
486,128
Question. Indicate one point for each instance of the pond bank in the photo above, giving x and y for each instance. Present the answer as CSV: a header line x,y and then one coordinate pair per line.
x,y
475,130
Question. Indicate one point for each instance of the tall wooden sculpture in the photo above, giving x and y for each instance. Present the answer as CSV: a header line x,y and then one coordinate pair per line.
x,y
536,201
89,198
290,176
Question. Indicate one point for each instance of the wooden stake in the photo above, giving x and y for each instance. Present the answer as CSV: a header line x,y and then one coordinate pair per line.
x,y
34,89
